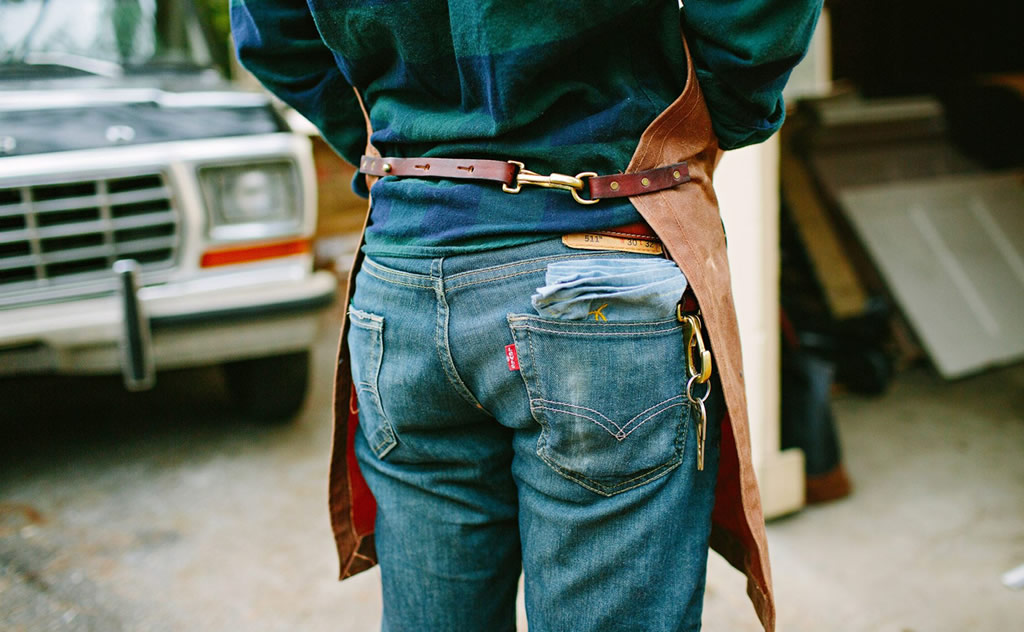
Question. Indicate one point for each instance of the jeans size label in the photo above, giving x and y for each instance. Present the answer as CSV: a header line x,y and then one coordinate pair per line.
x,y
597,241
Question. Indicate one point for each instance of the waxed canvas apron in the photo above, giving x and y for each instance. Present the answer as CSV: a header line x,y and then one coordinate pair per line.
x,y
686,219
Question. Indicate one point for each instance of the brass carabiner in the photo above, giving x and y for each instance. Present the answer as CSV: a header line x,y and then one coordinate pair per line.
x,y
694,342
560,181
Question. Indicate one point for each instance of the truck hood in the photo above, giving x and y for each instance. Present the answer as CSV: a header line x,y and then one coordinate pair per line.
x,y
36,121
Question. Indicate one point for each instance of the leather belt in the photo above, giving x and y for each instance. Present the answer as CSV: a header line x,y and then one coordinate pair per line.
x,y
513,175
636,230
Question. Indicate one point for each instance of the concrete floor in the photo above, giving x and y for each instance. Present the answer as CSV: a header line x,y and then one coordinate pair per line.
x,y
166,511
936,517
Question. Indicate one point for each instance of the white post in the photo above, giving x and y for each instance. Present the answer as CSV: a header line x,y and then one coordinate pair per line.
x,y
747,183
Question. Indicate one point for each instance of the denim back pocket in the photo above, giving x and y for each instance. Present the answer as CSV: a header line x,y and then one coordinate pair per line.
x,y
609,398
366,348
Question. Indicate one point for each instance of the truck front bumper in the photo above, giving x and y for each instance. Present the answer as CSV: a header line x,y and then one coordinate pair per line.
x,y
252,313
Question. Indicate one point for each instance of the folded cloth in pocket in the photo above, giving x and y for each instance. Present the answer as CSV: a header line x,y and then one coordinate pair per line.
x,y
610,289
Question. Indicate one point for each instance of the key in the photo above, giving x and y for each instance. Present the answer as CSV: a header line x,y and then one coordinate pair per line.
x,y
700,417
702,430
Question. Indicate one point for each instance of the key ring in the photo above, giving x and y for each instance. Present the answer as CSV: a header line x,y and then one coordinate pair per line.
x,y
689,390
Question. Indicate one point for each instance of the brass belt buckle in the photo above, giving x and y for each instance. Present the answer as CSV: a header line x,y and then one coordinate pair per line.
x,y
573,184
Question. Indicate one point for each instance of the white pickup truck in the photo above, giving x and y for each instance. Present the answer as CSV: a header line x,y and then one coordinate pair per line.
x,y
151,216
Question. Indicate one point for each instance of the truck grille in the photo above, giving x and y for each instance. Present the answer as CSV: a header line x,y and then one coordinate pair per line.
x,y
55,234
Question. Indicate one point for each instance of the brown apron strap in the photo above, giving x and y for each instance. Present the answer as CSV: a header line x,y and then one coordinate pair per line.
x,y
512,175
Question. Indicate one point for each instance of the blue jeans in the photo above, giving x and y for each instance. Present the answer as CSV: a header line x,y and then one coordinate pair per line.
x,y
570,455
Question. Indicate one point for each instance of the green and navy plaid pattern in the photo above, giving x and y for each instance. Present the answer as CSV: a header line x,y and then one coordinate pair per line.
x,y
561,85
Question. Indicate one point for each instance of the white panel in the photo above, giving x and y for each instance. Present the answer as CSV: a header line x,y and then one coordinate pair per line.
x,y
952,251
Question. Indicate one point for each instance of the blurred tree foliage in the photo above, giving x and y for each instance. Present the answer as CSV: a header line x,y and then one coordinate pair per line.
x,y
214,14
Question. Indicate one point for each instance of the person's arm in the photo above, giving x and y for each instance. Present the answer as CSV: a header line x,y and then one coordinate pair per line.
x,y
278,42
744,51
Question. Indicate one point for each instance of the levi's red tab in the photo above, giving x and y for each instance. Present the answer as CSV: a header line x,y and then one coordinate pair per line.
x,y
512,356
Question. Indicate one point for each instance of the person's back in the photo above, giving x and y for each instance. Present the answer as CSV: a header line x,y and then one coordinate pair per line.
x,y
564,86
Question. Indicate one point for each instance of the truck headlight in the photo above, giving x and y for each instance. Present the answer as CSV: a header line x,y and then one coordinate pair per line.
x,y
251,201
